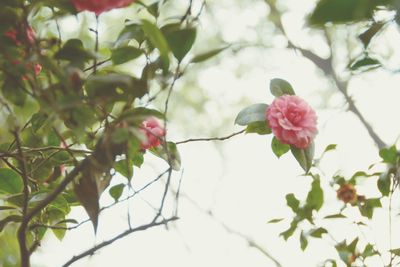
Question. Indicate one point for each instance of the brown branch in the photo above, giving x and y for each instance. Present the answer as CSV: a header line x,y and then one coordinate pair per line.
x,y
24,252
210,138
112,240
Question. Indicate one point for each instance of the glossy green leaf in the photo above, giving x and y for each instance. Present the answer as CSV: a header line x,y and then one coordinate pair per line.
x,y
278,148
116,191
304,156
253,113
280,87
131,31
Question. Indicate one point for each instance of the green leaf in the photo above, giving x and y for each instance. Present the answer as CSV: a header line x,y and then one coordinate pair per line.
x,y
124,167
10,182
383,183
258,127
38,120
12,91
130,32
278,148
315,198
369,251
124,54
330,147
9,219
86,190
74,52
369,34
116,191
367,208
158,40
292,202
179,40
303,241
115,86
7,208
279,87
395,251
389,155
253,113
207,55
317,233
289,232
304,156
335,216
342,11
275,220
173,152
364,64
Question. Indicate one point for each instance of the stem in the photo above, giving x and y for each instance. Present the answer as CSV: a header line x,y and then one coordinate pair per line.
x,y
210,138
24,252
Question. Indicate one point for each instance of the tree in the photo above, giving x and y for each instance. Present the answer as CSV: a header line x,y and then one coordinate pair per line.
x,y
73,118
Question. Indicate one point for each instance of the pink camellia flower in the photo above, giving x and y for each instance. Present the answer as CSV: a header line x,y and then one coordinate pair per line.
x,y
292,121
153,132
100,6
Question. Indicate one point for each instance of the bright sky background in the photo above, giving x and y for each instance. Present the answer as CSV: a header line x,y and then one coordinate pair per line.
x,y
241,180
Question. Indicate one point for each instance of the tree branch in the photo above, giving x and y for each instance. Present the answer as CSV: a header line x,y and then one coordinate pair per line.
x,y
210,138
112,240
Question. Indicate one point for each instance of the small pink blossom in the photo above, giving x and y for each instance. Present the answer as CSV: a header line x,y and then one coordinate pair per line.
x,y
100,6
153,132
292,121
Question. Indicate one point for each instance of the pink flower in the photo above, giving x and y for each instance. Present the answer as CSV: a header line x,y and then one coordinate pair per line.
x,y
100,6
292,121
153,132
30,35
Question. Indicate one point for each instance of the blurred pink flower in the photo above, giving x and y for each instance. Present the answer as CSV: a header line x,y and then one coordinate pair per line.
x,y
153,132
292,121
100,6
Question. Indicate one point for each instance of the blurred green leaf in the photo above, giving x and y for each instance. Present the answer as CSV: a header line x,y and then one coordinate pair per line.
x,y
179,40
10,182
364,64
317,233
384,183
207,55
158,40
389,155
124,54
173,152
303,241
370,33
275,220
280,87
124,167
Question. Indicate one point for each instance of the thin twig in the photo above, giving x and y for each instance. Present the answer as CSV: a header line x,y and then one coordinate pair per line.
x,y
210,138
92,250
